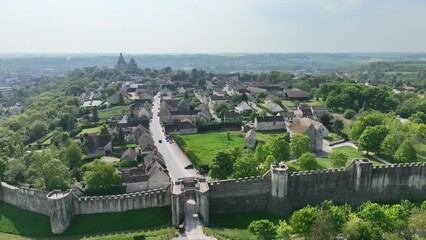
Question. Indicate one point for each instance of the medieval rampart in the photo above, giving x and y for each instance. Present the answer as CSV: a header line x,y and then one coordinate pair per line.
x,y
62,206
240,194
278,191
26,198
122,203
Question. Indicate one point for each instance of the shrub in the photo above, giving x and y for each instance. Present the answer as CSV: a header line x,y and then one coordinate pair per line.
x,y
349,114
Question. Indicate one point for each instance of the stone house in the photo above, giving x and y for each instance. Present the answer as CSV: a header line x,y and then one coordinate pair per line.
x,y
181,90
273,107
187,128
250,138
98,145
318,111
183,105
296,94
146,144
305,126
304,111
231,116
269,123
243,108
129,155
288,116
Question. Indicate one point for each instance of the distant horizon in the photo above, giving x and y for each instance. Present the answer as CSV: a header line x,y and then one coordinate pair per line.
x,y
212,26
199,53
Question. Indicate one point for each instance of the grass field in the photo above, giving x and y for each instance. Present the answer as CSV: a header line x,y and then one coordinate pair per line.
x,y
206,145
20,222
234,225
325,163
161,234
107,113
90,130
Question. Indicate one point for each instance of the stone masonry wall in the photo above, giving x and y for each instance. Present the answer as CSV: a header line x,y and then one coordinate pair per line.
x,y
121,203
240,194
314,187
26,198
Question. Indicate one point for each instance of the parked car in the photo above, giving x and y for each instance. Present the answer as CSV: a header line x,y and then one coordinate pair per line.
x,y
190,166
160,141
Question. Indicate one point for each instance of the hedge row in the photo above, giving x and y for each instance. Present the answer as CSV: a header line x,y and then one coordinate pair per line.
x,y
218,126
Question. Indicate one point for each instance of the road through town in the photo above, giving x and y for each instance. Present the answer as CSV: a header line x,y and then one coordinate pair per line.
x,y
175,159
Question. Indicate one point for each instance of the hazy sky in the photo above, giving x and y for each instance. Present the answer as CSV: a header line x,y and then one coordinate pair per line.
x,y
212,26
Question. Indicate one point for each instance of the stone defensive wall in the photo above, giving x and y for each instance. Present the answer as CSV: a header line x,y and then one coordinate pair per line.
x,y
240,194
282,192
62,206
278,191
26,198
122,203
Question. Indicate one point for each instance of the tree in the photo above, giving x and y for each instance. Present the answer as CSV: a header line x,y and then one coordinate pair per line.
x,y
120,99
374,214
269,160
73,155
2,169
349,114
260,154
406,153
355,229
222,165
307,161
322,227
338,125
391,143
299,144
263,229
221,109
367,119
245,167
101,175
278,148
284,230
121,137
325,119
38,129
47,172
95,116
15,171
104,130
372,137
302,220
418,117
338,159
253,115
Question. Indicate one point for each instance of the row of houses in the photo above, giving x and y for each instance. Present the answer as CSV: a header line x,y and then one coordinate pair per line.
x,y
294,125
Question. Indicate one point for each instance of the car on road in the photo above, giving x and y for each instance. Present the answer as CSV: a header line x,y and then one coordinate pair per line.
x,y
160,141
190,166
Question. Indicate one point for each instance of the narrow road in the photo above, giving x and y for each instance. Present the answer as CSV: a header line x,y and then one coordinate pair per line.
x,y
175,159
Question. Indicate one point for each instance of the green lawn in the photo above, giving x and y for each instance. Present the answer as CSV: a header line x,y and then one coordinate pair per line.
x,y
161,234
325,163
20,222
90,130
234,225
107,113
205,145
333,137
